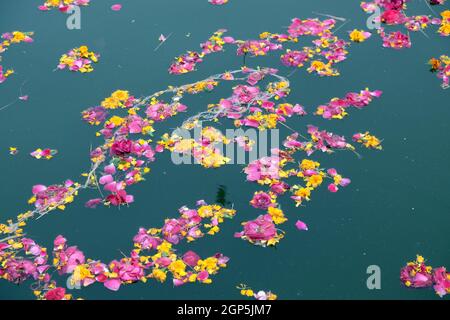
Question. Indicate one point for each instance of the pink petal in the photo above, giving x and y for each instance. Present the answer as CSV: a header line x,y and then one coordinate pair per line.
x,y
106,179
116,7
112,284
301,226
333,188
129,199
345,182
92,204
178,282
332,172
38,188
110,169
111,187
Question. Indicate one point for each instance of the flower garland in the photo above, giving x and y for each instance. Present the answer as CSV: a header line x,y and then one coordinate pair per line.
x,y
153,257
327,49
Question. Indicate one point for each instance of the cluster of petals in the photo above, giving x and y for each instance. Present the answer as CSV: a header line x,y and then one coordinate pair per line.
x,y
337,107
188,61
394,13
218,2
153,257
416,274
62,5
441,67
326,50
246,291
368,140
78,60
8,39
46,153
47,198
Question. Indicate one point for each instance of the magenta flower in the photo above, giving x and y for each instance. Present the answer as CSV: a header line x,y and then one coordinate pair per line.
x,y
191,258
261,200
392,17
267,167
416,276
55,294
121,147
441,279
262,228
120,197
145,240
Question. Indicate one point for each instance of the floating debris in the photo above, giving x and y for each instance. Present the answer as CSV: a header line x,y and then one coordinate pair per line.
x,y
46,154
13,151
441,67
62,5
246,291
116,7
78,60
417,274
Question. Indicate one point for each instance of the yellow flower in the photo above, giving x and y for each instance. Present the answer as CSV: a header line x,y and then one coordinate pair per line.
x,y
178,268
81,272
118,121
193,277
159,275
318,65
272,296
205,211
304,193
18,36
213,230
8,73
445,14
184,145
445,29
277,215
248,293
372,142
309,164
315,181
121,95
110,103
357,36
164,247
53,3
83,50
264,35
209,264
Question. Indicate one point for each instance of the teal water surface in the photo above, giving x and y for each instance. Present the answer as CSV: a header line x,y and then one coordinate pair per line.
x,y
398,204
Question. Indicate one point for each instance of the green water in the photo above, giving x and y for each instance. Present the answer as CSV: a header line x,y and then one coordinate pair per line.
x,y
397,206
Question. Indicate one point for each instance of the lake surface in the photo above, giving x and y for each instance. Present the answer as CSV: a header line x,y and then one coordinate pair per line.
x,y
397,206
